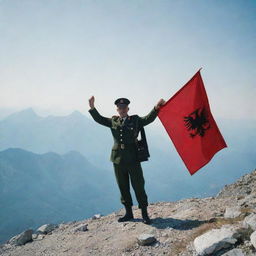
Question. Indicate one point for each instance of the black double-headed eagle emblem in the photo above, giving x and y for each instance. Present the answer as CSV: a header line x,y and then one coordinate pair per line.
x,y
197,122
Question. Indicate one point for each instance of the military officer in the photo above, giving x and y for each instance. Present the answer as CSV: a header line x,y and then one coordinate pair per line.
x,y
124,155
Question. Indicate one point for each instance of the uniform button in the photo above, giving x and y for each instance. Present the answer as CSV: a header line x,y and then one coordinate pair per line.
x,y
121,134
120,130
121,139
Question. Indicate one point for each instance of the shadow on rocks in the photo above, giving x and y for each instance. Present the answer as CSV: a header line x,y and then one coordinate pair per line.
x,y
163,223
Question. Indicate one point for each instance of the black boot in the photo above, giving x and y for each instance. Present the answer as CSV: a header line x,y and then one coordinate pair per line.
x,y
128,215
145,217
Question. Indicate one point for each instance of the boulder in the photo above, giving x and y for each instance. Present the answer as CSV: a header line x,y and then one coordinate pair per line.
x,y
232,212
82,227
46,228
146,239
216,239
34,236
38,236
22,238
250,221
96,216
253,239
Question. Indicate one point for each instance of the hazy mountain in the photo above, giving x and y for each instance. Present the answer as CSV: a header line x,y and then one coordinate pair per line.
x,y
6,111
60,134
165,174
50,187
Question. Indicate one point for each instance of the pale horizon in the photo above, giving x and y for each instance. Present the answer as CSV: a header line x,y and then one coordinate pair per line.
x,y
56,55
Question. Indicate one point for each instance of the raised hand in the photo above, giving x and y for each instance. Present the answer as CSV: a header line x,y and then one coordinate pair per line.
x,y
161,102
91,102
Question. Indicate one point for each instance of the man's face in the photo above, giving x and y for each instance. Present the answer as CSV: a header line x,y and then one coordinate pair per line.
x,y
122,110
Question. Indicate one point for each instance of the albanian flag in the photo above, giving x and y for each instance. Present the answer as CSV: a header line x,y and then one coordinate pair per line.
x,y
189,123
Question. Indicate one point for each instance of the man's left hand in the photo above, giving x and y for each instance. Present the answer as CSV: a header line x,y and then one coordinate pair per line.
x,y
161,102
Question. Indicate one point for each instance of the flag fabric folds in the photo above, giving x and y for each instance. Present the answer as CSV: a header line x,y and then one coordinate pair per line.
x,y
188,120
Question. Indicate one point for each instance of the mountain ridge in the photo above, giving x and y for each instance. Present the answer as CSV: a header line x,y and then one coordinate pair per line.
x,y
35,188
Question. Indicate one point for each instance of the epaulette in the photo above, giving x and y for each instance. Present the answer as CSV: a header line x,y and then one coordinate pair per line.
x,y
114,117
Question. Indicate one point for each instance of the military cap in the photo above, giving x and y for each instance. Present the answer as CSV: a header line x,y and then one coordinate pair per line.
x,y
122,102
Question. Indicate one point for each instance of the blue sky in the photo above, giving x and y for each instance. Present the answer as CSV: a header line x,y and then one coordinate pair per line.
x,y
55,54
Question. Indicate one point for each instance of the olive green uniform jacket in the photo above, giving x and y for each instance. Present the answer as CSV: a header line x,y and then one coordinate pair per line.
x,y
123,133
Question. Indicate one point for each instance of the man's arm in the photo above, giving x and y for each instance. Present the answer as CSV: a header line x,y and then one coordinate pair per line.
x,y
149,118
145,120
99,118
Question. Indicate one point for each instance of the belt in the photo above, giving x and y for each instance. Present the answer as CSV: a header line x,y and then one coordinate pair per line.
x,y
124,145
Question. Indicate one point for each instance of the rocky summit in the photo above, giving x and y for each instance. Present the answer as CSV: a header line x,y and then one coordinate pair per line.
x,y
224,224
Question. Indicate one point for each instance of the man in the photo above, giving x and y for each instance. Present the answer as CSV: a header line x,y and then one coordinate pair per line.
x,y
124,153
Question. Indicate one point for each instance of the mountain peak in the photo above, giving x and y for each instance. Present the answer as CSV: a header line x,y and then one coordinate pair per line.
x,y
27,113
76,113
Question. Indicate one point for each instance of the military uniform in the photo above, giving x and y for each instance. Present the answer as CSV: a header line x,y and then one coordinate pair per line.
x,y
124,156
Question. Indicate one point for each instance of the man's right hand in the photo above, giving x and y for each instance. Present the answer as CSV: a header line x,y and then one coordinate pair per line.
x,y
91,102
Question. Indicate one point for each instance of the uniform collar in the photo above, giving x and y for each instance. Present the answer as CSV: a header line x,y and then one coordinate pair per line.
x,y
123,117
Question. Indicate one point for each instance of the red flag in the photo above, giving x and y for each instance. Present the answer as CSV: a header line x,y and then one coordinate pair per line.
x,y
188,121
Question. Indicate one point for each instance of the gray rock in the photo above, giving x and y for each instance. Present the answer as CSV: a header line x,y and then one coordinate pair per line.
x,y
165,234
146,239
22,238
38,236
234,252
82,227
46,228
216,239
253,239
250,221
232,212
34,236
96,216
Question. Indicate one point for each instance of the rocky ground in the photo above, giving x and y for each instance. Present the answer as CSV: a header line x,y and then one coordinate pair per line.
x,y
220,225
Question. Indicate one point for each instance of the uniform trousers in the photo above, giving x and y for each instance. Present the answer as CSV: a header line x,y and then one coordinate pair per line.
x,y
124,172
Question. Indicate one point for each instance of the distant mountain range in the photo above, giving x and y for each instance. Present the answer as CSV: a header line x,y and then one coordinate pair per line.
x,y
57,167
35,189
60,134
